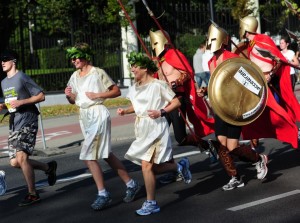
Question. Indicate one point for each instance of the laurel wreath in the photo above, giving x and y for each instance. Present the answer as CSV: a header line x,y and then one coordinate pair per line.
x,y
139,59
75,53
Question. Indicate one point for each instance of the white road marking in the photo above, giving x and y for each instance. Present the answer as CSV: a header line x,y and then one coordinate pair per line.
x,y
186,154
66,179
85,175
262,201
39,139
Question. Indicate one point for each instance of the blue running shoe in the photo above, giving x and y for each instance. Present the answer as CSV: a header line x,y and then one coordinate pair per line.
x,y
186,173
148,208
101,202
131,192
2,183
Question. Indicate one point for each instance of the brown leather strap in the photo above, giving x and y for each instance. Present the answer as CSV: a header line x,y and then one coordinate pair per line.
x,y
227,161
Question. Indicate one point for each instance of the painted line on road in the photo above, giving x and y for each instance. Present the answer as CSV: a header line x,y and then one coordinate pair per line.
x,y
262,201
85,175
186,154
66,179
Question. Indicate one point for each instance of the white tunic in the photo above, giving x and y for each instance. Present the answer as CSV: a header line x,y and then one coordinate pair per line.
x,y
94,118
152,135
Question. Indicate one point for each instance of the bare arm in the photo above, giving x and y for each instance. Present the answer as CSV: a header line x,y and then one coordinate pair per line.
x,y
114,91
2,106
126,111
69,95
174,103
32,100
295,61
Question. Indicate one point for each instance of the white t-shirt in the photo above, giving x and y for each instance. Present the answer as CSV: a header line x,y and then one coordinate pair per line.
x,y
197,61
207,55
289,55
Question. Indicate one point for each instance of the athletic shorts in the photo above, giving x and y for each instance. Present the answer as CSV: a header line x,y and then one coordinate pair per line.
x,y
222,128
22,140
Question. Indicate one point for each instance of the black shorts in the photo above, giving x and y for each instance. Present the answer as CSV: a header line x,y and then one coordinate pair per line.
x,y
222,128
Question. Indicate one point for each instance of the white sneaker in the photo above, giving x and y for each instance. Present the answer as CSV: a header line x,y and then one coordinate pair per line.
x,y
233,183
2,183
261,167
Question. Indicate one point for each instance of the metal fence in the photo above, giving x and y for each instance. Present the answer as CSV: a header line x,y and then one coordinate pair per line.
x,y
43,56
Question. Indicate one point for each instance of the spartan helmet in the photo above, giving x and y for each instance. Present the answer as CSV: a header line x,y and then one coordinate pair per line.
x,y
216,37
248,24
158,41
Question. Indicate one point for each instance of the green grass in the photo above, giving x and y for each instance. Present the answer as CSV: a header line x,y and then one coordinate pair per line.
x,y
66,110
49,71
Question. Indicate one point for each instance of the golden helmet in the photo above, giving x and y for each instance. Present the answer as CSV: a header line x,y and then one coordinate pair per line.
x,y
216,37
158,41
248,24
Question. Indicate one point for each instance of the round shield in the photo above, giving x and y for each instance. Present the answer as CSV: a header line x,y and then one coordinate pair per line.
x,y
237,91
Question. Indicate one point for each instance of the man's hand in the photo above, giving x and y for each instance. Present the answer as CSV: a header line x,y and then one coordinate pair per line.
x,y
16,103
201,92
92,95
121,111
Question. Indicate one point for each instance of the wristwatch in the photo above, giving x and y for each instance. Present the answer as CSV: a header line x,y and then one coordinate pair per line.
x,y
163,112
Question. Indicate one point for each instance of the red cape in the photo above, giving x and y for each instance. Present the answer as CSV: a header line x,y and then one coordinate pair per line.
x,y
197,111
277,121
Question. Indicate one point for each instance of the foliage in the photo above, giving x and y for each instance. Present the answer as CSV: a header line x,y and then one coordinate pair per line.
x,y
242,8
292,8
189,43
239,8
114,12
141,60
49,71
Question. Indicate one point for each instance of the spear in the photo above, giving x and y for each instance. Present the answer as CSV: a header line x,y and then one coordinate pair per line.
x,y
164,33
171,44
134,29
267,53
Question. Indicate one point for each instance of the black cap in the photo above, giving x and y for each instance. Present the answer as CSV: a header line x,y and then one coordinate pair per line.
x,y
8,55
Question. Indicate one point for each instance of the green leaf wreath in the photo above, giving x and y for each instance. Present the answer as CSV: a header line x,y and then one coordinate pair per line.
x,y
139,59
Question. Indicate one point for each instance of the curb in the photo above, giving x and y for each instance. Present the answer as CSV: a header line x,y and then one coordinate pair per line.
x,y
48,152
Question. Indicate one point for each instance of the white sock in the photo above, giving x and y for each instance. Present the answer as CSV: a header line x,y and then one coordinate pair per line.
x,y
130,183
102,192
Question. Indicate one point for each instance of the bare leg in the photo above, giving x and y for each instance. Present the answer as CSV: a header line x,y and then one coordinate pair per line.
x,y
149,178
118,166
34,163
165,167
96,172
254,143
22,162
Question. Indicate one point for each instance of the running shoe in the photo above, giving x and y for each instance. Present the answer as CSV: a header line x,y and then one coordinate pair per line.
x,y
51,172
170,178
233,183
185,171
30,199
261,167
148,208
2,183
131,192
101,202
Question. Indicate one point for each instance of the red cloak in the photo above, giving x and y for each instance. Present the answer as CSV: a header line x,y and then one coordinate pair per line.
x,y
277,121
196,109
